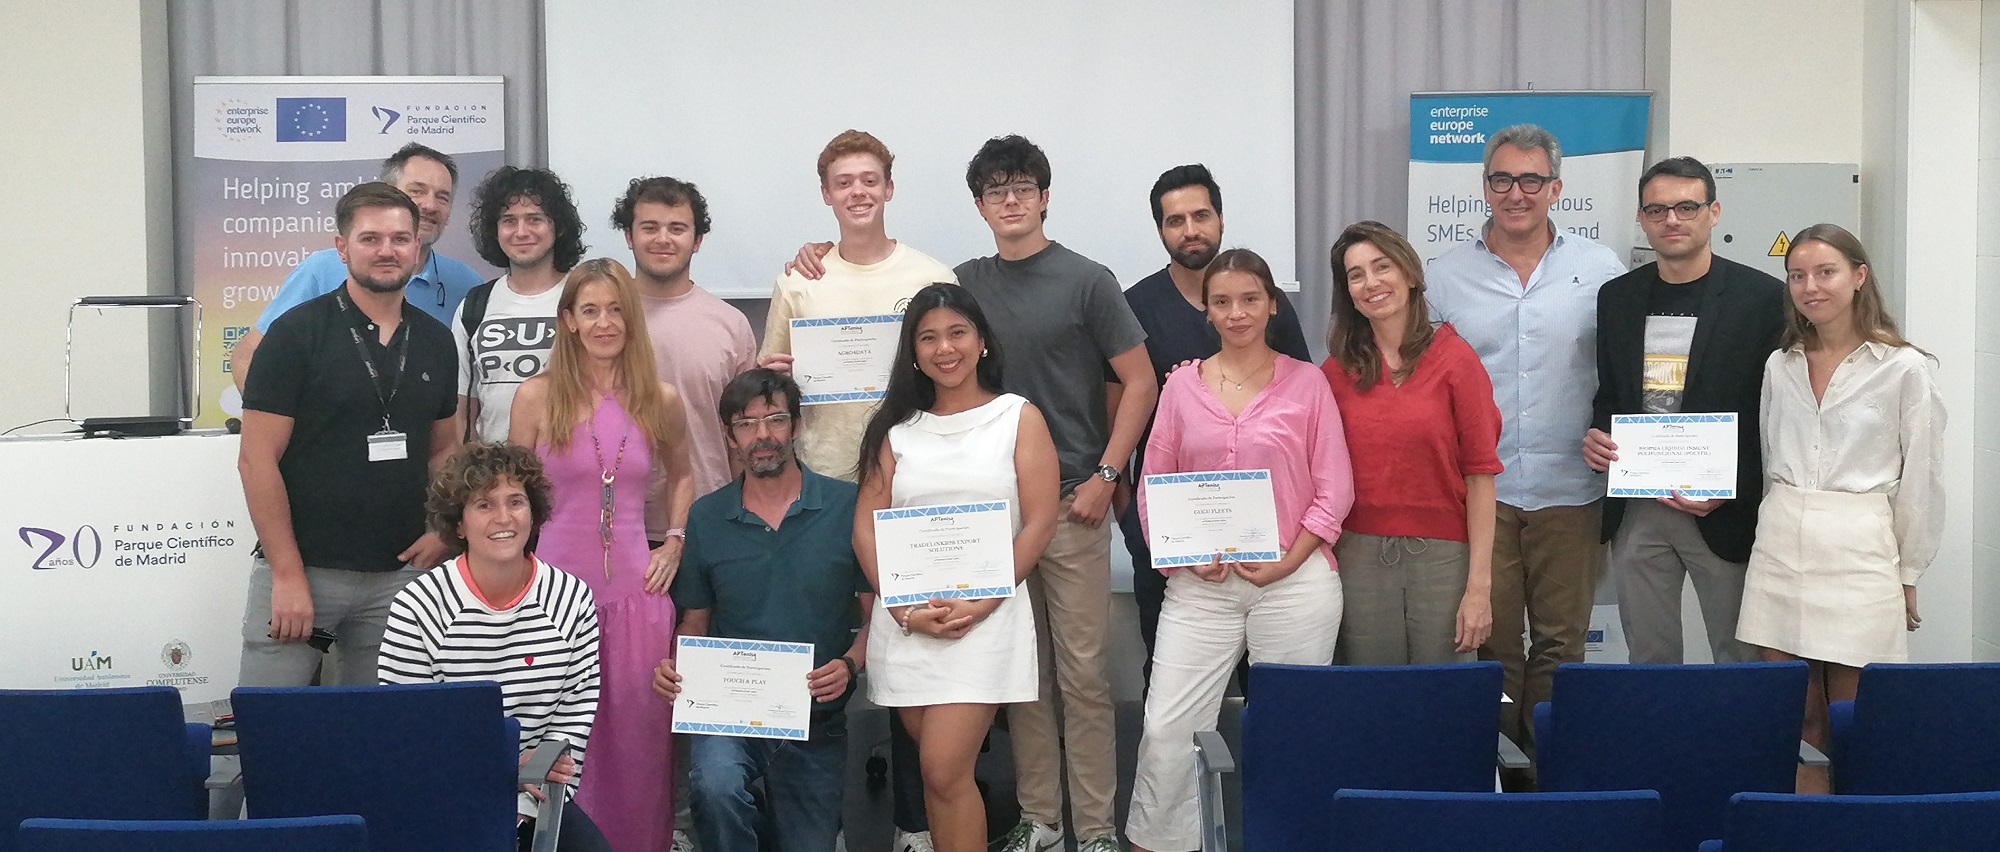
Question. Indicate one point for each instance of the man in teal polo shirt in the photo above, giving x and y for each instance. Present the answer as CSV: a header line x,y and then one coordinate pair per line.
x,y
770,557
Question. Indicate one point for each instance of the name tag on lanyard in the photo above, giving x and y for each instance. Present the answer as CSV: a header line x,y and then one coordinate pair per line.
x,y
388,446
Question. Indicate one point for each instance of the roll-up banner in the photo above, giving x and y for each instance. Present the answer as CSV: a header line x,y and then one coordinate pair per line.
x,y
272,155
1603,140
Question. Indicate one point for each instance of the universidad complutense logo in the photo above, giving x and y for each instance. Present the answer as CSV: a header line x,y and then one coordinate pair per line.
x,y
52,549
387,116
312,119
176,655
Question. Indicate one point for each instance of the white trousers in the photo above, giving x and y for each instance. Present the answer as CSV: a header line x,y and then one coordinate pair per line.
x,y
1204,628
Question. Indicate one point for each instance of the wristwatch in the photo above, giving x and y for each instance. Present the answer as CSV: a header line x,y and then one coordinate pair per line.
x,y
1107,473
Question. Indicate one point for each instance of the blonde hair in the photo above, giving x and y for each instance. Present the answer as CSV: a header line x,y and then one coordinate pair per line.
x,y
1871,315
570,400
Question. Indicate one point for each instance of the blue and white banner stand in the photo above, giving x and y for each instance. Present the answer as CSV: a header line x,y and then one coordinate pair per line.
x,y
1603,139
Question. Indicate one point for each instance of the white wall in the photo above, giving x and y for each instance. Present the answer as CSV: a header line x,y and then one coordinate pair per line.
x,y
1892,85
88,170
1985,416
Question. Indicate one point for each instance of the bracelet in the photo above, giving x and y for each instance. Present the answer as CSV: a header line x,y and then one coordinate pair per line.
x,y
853,669
903,620
676,532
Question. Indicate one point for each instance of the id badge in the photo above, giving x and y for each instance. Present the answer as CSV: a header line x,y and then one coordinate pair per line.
x,y
388,446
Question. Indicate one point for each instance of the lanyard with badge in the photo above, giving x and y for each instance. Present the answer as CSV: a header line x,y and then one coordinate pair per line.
x,y
388,444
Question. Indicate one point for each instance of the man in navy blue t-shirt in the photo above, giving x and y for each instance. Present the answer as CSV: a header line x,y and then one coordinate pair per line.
x,y
1187,208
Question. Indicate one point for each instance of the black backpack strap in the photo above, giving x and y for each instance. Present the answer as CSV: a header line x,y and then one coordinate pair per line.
x,y
472,313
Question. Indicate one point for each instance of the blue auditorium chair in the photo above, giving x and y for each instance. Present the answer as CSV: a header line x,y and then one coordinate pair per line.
x,y
1915,729
1698,734
100,754
310,834
1780,822
1407,821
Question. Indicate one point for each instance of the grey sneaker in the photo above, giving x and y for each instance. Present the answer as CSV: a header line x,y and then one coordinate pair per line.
x,y
683,842
1101,843
913,841
1030,836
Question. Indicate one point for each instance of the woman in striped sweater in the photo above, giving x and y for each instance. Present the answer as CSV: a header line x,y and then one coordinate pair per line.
x,y
497,613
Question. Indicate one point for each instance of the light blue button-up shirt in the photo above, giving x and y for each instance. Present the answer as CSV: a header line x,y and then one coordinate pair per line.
x,y
1539,345
436,289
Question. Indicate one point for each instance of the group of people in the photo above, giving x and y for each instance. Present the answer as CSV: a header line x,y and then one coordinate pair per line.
x,y
616,461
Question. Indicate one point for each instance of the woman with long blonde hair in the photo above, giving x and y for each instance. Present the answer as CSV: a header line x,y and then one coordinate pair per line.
x,y
1853,509
605,427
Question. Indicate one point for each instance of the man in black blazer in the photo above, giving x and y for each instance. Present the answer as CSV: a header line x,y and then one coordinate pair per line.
x,y
1687,333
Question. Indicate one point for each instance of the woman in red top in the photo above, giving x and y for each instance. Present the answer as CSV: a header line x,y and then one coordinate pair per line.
x,y
1416,556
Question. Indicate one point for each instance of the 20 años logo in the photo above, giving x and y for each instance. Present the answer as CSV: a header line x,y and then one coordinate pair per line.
x,y
85,547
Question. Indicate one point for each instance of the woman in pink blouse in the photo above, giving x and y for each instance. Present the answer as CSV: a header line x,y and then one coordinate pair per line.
x,y
1248,408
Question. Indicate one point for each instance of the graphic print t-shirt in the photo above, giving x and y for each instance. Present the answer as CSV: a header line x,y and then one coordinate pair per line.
x,y
1671,313
510,346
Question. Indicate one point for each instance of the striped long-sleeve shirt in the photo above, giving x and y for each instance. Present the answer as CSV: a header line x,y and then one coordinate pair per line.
x,y
541,648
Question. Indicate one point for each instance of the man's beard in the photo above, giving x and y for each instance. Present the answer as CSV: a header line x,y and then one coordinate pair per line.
x,y
1195,259
373,286
767,468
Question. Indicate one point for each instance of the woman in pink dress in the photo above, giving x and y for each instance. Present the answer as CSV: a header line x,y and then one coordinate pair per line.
x,y
604,426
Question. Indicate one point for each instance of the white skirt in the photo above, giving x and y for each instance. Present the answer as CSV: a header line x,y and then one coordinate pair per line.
x,y
994,663
1824,580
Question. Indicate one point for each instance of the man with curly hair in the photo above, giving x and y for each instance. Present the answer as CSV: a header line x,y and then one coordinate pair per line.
x,y
522,220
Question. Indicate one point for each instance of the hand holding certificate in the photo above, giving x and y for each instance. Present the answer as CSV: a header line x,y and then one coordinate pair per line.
x,y
1193,518
961,551
1659,455
743,688
844,359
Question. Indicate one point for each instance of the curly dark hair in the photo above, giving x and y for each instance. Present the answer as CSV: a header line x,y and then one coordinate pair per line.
x,y
473,470
672,192
507,185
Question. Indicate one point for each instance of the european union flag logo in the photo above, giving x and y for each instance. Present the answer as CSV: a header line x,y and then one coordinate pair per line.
x,y
312,119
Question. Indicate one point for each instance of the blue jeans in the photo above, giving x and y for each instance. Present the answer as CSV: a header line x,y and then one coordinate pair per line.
x,y
803,782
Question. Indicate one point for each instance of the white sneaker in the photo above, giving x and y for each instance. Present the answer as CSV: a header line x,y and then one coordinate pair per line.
x,y
1029,836
840,841
682,842
912,841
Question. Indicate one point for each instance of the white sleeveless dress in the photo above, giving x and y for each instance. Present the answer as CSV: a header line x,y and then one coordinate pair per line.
x,y
958,458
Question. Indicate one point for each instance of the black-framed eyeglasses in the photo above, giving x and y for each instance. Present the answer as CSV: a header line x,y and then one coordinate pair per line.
x,y
1000,194
748,425
1530,183
1682,211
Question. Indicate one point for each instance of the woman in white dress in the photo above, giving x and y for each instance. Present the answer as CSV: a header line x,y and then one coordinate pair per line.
x,y
1854,509
946,434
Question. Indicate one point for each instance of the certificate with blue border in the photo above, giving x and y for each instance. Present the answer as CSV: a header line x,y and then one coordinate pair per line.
x,y
844,359
1192,518
1659,455
743,688
964,550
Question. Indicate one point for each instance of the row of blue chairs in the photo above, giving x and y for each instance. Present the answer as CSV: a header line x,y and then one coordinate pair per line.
x,y
426,768
1695,735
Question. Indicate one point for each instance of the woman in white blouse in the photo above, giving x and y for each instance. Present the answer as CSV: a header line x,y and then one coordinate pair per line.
x,y
1852,515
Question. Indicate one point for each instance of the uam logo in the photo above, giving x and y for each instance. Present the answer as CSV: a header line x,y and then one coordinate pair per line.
x,y
92,663
85,547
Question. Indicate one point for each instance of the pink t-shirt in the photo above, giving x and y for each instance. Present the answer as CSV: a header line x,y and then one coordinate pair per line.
x,y
700,342
1292,428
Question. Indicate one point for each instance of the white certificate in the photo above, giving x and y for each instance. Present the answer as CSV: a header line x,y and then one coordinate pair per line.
x,y
1660,454
961,551
1194,517
844,359
743,688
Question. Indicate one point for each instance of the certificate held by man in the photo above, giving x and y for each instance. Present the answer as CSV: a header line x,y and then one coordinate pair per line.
x,y
1192,518
744,688
1660,455
961,551
844,359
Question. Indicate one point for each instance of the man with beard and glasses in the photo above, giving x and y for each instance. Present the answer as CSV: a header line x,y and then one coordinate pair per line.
x,y
439,283
1187,210
342,425
778,527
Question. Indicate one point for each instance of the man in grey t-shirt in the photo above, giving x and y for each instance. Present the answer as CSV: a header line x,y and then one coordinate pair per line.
x,y
1059,318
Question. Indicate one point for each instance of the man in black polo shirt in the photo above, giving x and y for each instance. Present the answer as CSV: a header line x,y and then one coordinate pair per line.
x,y
1187,210
348,411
